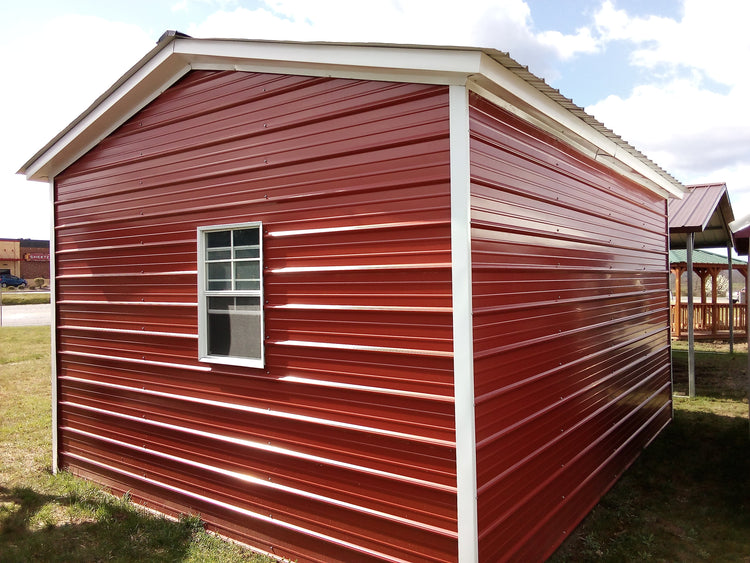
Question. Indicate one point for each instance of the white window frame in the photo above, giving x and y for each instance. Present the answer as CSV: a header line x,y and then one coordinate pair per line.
x,y
204,294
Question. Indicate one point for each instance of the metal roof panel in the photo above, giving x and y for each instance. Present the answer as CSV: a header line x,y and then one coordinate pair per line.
x,y
705,211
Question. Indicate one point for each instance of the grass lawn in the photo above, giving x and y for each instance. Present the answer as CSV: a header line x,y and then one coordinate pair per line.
x,y
687,498
46,517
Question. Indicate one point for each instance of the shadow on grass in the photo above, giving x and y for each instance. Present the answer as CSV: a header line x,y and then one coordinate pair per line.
x,y
686,498
94,528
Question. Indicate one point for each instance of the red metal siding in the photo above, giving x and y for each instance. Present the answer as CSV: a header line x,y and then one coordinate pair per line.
x,y
571,345
342,448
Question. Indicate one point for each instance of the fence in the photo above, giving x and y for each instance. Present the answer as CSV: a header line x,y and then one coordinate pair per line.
x,y
710,318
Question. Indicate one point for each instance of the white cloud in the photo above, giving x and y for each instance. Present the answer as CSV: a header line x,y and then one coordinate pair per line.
x,y
506,25
691,115
62,65
569,46
709,38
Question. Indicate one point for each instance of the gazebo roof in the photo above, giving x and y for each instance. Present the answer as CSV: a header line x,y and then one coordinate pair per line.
x,y
704,211
702,258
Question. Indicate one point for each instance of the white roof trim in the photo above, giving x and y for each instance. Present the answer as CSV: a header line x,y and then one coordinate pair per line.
x,y
490,73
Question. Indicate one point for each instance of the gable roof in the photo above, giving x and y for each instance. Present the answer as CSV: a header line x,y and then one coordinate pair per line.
x,y
706,211
491,73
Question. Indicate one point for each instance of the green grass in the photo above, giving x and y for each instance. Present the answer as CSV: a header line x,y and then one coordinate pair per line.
x,y
46,517
25,298
687,497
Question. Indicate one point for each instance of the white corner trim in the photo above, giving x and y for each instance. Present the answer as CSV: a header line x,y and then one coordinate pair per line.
x,y
53,332
463,347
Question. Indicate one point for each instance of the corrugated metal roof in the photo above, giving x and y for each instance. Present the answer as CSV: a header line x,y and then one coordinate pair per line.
x,y
741,240
176,53
705,211
701,257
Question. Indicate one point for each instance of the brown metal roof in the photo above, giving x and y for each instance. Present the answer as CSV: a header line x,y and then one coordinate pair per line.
x,y
741,232
741,239
705,211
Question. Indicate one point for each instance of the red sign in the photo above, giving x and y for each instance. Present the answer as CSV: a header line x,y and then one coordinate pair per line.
x,y
36,257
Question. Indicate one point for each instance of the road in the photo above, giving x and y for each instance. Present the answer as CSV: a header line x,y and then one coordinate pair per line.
x,y
26,315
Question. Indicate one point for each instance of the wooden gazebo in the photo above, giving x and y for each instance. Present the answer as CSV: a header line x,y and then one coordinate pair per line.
x,y
700,220
711,319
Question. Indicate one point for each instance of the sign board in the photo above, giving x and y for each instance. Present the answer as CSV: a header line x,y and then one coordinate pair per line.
x,y
36,257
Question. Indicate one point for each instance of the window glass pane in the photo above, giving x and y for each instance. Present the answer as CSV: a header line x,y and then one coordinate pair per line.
x,y
247,252
247,284
221,285
219,271
219,254
247,303
247,237
234,327
247,270
218,239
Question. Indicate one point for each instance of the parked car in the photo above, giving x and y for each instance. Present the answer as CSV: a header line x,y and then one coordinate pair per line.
x,y
7,280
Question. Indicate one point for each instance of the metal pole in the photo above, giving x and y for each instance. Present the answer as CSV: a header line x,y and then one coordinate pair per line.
x,y
691,335
731,298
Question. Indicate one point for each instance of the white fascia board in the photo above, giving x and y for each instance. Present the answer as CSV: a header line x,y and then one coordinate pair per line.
x,y
369,62
463,328
106,115
525,97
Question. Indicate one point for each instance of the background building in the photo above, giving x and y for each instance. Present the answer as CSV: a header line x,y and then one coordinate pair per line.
x,y
27,258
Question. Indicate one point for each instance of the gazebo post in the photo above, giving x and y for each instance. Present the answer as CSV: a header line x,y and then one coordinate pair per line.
x,y
690,313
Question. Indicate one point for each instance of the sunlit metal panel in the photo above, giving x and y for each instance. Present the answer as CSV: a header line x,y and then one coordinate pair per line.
x,y
342,447
571,342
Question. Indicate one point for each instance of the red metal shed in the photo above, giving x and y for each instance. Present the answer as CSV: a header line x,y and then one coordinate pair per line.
x,y
355,302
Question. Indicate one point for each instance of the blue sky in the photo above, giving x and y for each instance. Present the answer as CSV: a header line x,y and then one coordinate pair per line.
x,y
669,76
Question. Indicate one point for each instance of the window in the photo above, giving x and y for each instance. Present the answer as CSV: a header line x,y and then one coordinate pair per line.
x,y
230,294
